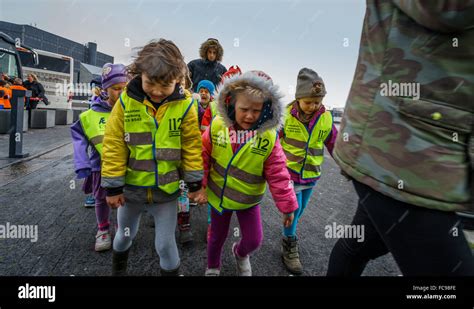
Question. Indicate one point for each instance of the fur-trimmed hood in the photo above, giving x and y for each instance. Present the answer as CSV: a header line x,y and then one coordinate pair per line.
x,y
258,80
211,43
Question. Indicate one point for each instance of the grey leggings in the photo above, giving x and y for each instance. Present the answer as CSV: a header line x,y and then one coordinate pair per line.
x,y
165,214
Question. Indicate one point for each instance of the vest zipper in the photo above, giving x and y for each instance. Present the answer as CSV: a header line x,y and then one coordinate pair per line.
x,y
227,169
307,144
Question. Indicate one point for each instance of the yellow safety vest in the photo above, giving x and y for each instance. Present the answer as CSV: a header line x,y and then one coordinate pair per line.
x,y
305,150
93,124
155,148
213,105
236,179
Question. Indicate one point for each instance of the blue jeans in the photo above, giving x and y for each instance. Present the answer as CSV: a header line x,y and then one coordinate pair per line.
x,y
303,199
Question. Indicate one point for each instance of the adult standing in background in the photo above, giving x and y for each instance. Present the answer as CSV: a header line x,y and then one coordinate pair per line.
x,y
209,66
37,91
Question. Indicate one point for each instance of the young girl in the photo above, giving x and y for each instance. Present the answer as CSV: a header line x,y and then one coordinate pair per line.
x,y
242,153
89,131
209,114
151,140
308,127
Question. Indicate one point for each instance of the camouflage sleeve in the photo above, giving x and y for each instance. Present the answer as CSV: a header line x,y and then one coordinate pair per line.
x,y
441,15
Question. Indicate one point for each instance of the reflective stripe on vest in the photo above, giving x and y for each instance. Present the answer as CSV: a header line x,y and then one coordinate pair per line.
x,y
305,150
155,148
236,179
93,124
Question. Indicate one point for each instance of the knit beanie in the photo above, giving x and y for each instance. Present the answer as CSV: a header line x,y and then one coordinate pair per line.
x,y
113,74
309,84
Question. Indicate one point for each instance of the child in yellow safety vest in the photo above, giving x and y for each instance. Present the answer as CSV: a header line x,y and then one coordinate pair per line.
x,y
242,153
87,135
308,128
151,141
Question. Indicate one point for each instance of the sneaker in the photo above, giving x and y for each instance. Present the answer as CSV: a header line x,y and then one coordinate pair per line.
x,y
290,255
212,272
244,268
90,201
103,241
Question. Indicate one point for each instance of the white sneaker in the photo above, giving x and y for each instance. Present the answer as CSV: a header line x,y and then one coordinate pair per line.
x,y
103,241
212,272
244,268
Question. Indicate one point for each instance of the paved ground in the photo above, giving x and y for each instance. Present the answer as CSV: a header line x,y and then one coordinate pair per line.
x,y
35,142
38,192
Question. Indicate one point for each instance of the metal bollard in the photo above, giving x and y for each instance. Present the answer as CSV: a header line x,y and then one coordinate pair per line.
x,y
16,123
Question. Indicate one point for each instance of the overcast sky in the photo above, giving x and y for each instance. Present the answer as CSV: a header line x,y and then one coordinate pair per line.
x,y
278,37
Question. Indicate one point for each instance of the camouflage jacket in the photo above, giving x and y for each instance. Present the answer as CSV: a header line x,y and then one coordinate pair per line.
x,y
414,146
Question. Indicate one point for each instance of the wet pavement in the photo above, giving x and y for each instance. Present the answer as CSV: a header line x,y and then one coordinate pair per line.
x,y
44,192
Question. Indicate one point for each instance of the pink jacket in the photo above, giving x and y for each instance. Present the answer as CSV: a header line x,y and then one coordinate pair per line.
x,y
275,172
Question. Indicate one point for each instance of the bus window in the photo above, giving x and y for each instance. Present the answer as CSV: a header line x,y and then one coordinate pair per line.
x,y
54,64
26,59
55,73
8,64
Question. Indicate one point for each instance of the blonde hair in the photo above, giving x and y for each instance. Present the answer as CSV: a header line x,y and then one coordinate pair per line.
x,y
96,91
249,91
35,78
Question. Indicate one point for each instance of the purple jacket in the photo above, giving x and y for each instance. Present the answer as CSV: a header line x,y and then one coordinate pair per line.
x,y
86,160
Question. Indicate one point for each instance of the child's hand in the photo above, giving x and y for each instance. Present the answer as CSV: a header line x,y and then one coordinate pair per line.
x,y
288,219
199,196
115,201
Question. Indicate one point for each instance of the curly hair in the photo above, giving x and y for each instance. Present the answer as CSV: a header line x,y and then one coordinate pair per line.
x,y
211,43
161,61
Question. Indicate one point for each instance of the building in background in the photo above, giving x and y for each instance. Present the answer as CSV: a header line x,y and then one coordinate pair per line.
x,y
88,61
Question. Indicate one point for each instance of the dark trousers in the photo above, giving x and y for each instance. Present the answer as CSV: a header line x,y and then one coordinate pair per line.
x,y
424,242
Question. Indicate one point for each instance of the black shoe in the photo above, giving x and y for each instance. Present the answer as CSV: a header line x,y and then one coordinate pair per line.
x,y
170,273
119,263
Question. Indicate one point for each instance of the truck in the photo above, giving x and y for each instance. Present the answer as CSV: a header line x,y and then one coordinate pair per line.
x,y
10,63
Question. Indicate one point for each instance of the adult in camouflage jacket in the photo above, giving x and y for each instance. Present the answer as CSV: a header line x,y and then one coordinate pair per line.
x,y
406,138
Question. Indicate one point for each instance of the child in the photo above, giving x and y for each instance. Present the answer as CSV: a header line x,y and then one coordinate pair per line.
x,y
185,235
205,93
209,114
206,90
96,86
151,140
241,153
308,127
89,131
